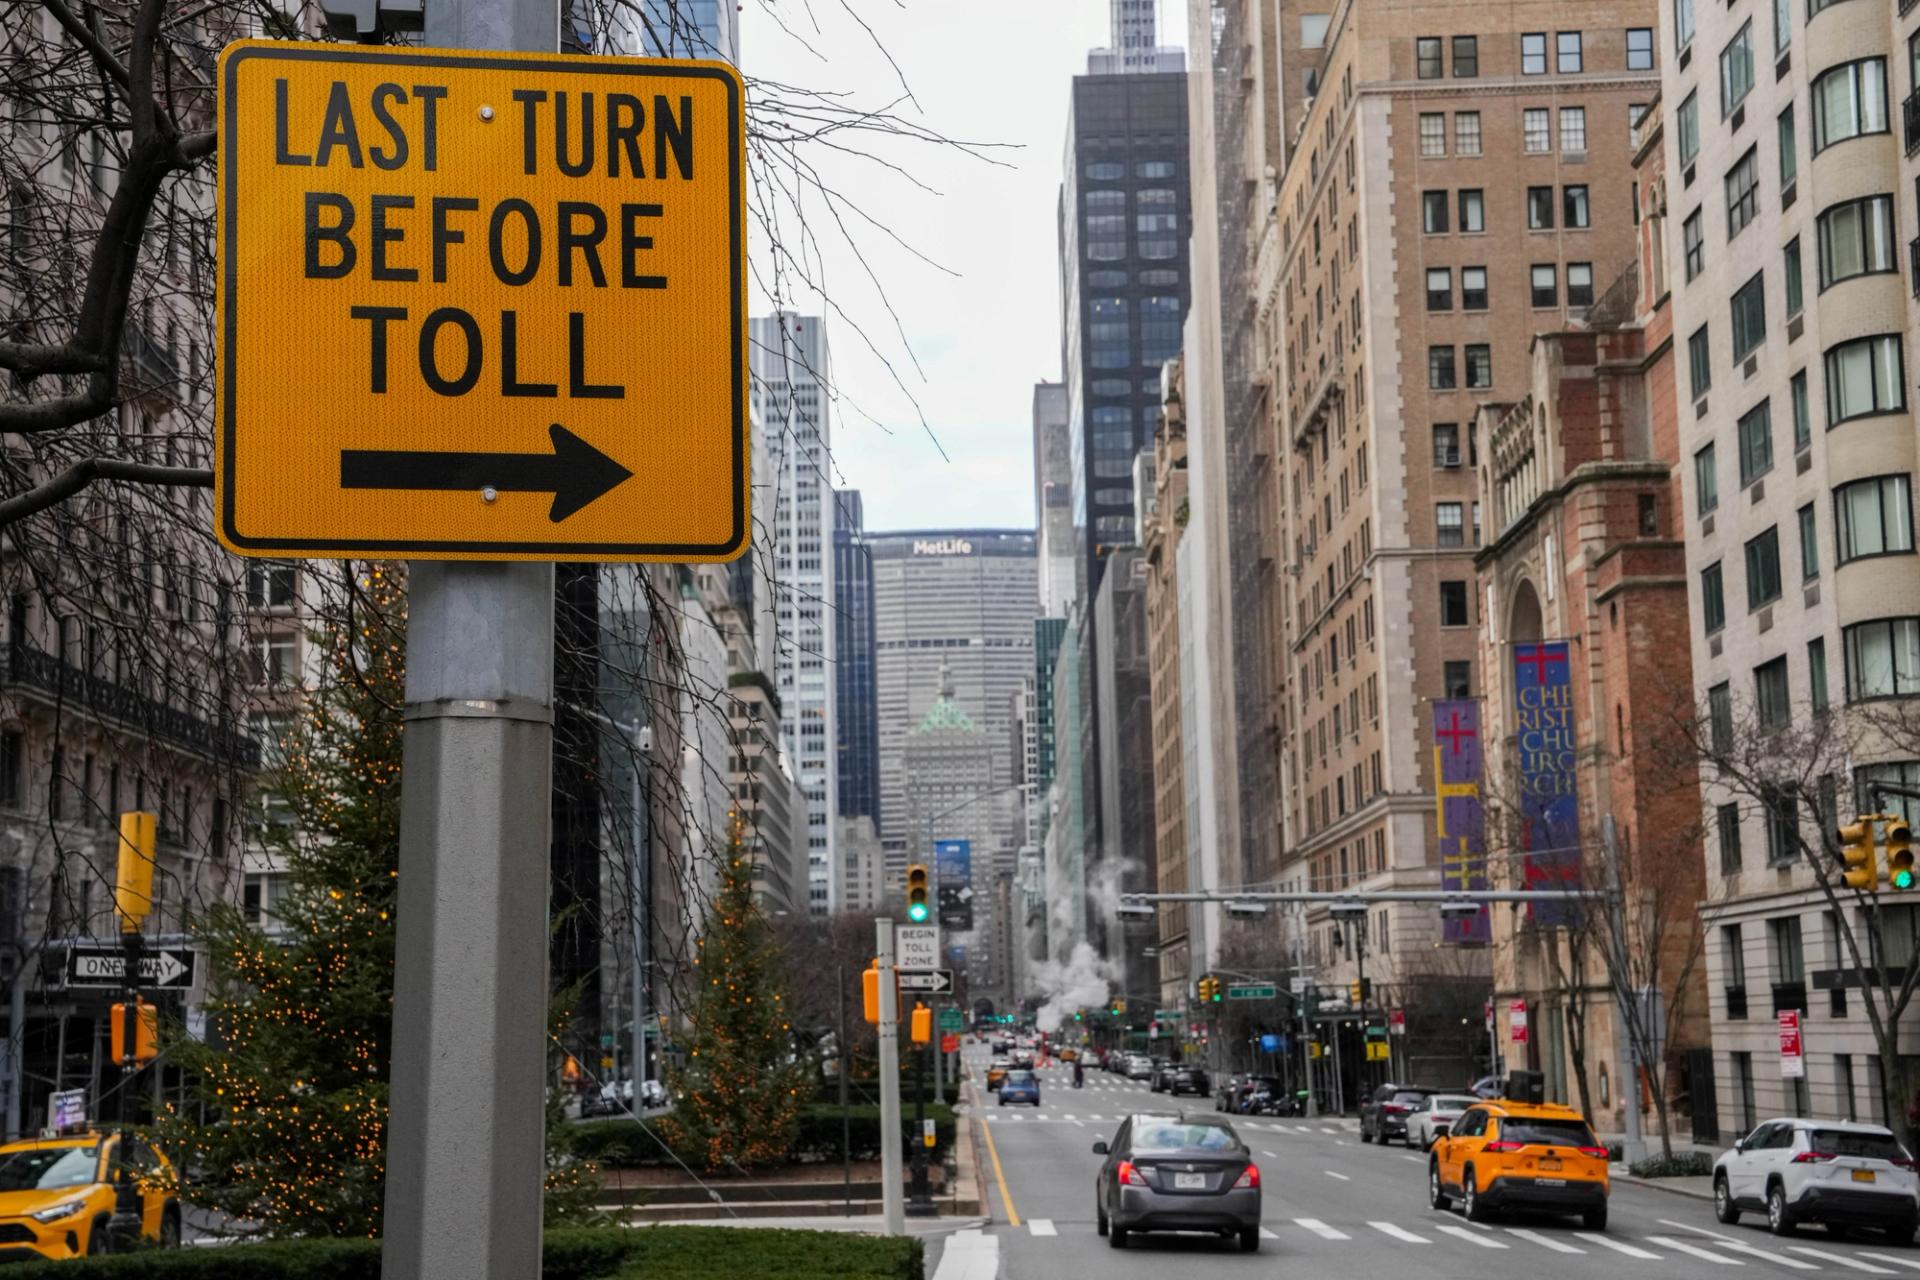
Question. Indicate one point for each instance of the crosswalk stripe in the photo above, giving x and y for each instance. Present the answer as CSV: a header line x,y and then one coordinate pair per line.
x,y
1484,1242
1321,1229
1592,1237
1398,1232
1267,1233
1301,1128
1898,1262
1709,1256
1041,1226
1269,1155
1324,1129
1544,1241
1840,1258
1740,1246
1415,1159
1341,1176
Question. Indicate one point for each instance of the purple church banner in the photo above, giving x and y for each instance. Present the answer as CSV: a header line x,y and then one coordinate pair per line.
x,y
1544,750
1461,826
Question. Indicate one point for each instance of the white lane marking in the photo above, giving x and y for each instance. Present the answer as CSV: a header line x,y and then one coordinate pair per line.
x,y
1547,1242
1269,1155
1840,1258
1592,1237
1699,1231
1483,1241
1321,1229
1709,1256
1397,1232
1041,1226
1740,1246
1324,1129
1269,1234
1341,1176
1339,1142
1898,1262
1415,1159
1301,1128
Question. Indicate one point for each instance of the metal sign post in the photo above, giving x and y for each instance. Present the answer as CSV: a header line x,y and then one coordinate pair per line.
x,y
892,1204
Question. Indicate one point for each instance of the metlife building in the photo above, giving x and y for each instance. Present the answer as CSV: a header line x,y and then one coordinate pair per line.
x,y
967,597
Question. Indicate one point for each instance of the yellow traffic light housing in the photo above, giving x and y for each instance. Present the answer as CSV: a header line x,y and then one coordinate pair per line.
x,y
133,876
919,906
146,1034
922,1024
870,993
1899,845
1857,855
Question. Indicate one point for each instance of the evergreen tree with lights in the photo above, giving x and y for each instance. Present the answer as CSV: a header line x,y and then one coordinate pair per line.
x,y
742,1085
287,1122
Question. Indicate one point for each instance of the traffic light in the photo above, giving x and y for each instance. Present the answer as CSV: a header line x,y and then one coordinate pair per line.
x,y
1899,842
870,993
1210,992
1857,854
133,878
919,908
146,1037
922,1024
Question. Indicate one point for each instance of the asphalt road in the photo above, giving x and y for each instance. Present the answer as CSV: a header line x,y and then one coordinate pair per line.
x,y
1334,1207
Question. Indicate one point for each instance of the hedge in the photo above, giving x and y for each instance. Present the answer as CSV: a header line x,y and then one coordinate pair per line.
x,y
620,1144
1681,1164
655,1253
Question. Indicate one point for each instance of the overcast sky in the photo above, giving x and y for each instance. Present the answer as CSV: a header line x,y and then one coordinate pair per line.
x,y
989,71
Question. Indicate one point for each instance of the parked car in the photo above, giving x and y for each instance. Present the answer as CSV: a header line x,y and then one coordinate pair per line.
x,y
1832,1172
1068,1053
1176,1173
1501,1155
997,1072
1432,1116
1020,1086
1139,1067
1185,1078
56,1195
1487,1087
1268,1098
1384,1114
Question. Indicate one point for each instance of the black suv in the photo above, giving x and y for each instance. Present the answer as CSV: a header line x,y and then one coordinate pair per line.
x,y
1384,1115
1185,1079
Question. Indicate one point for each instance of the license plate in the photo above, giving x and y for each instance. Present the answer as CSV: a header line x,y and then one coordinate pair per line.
x,y
1189,1182
1863,1175
1549,1182
1550,1163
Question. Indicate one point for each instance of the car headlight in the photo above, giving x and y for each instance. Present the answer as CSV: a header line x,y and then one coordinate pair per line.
x,y
55,1212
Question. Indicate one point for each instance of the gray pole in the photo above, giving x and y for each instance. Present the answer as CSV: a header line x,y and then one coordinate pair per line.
x,y
1306,1027
465,1151
892,1199
17,1039
642,921
1635,1147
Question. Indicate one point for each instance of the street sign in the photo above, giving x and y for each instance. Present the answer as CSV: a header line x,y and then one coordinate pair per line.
x,y
952,1020
1397,1021
928,1134
916,946
934,981
1379,1051
1793,1060
949,1043
953,868
1253,991
480,305
66,1109
1517,1021
168,968
1297,986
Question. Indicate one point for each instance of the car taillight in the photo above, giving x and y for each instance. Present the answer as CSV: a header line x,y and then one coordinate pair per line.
x,y
1393,1108
1598,1153
1902,1162
1251,1178
1503,1148
1813,1157
1129,1176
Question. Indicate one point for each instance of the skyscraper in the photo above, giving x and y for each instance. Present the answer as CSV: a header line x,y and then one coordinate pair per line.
x,y
1053,497
689,29
1136,44
859,738
793,503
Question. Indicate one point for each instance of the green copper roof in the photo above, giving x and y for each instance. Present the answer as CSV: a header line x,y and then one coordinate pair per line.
x,y
945,712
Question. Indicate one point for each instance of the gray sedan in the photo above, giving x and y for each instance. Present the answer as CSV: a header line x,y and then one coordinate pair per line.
x,y
1433,1116
1177,1173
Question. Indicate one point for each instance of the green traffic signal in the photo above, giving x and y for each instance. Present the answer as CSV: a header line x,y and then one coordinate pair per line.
x,y
917,913
1903,879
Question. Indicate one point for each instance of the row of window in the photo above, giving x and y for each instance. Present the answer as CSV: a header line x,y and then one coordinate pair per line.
x,y
1543,286
1849,101
1443,370
1865,377
1569,53
1575,209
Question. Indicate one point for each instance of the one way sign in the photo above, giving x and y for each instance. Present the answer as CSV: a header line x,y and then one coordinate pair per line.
x,y
168,967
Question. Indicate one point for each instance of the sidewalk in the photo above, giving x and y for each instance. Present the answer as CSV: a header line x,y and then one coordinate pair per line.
x,y
1697,1188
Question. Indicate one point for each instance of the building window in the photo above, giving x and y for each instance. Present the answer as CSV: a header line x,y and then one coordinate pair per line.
x,y
1439,289
1440,369
1579,284
1466,57
1536,130
1574,205
1789,148
1636,116
1466,132
1446,444
1802,417
1736,70
1743,192
1427,52
1727,818
1706,483
1473,288
1540,208
1686,121
1695,244
1809,545
1450,524
1720,717
1567,49
1763,569
1458,679
1756,443
1433,133
1479,365
1856,239
1682,23
1433,211
13,766
1865,377
1533,53
1849,100
1817,673
1749,309
1883,658
1546,285
1770,694
1873,518
1699,362
1791,257
1573,129
1639,48
1453,604
1783,25
1713,599
1473,210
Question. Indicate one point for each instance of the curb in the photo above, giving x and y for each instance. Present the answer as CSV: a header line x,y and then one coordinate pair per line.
x,y
1663,1184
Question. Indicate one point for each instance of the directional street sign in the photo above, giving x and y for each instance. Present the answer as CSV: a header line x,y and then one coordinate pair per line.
x,y
1252,991
168,968
916,946
952,1020
480,305
933,981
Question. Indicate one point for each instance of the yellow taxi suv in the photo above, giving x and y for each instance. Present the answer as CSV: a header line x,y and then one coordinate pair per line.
x,y
1515,1155
56,1195
996,1072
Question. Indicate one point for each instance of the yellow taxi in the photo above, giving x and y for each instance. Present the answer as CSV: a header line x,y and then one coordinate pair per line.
x,y
996,1072
56,1195
1068,1053
1504,1154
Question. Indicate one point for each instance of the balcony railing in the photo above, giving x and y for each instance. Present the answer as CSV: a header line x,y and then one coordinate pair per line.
x,y
1789,995
1910,117
37,669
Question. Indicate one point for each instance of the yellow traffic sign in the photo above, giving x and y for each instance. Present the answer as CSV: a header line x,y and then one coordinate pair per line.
x,y
480,305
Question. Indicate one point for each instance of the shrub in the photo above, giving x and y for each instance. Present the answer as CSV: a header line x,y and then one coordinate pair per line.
x,y
1682,1164
621,1144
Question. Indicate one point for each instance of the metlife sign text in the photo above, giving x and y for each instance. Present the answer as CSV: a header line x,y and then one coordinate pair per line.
x,y
942,547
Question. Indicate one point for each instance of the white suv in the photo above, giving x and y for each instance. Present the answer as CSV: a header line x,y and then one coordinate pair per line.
x,y
1826,1171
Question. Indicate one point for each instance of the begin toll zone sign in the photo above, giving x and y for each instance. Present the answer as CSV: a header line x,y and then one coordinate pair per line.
x,y
480,306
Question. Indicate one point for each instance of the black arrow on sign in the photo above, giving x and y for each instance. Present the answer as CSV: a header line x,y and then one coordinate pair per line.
x,y
575,473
